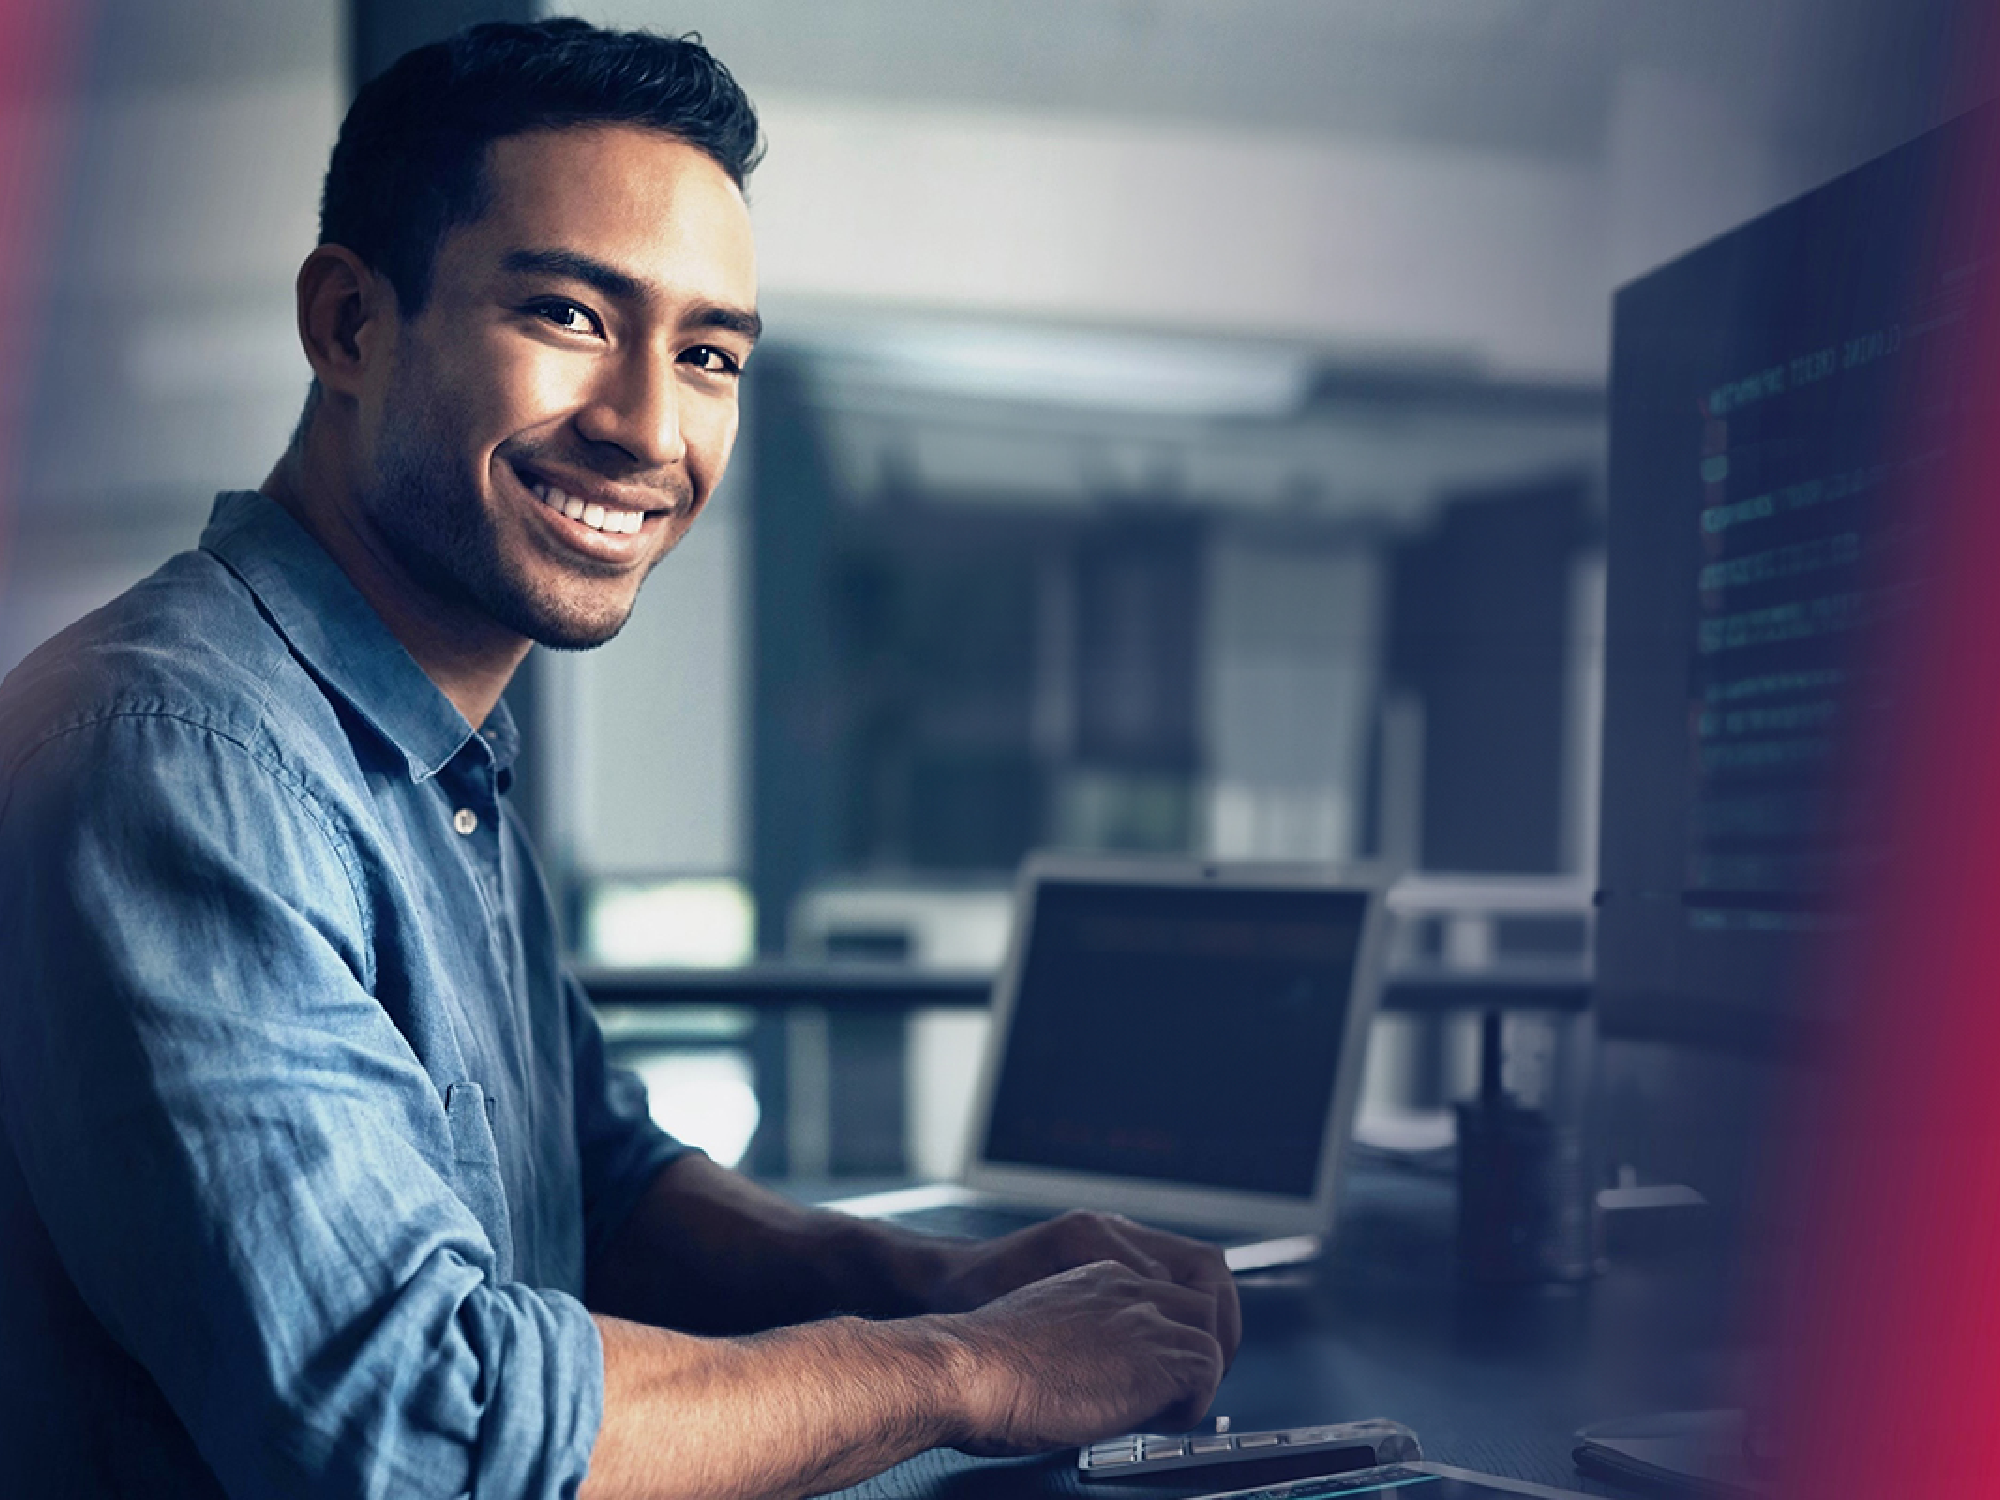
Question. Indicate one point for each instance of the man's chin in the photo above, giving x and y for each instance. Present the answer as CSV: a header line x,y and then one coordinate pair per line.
x,y
559,629
575,639
573,632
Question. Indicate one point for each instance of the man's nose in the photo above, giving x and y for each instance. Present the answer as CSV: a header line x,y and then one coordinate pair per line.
x,y
636,407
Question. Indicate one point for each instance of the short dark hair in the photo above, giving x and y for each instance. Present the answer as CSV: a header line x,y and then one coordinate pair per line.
x,y
410,161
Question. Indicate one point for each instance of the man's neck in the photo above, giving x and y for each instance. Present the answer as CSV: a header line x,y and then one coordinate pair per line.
x,y
469,657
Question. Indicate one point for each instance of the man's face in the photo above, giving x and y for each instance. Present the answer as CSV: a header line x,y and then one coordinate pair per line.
x,y
551,422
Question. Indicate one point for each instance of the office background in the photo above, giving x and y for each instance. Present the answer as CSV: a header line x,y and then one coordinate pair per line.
x,y
1181,429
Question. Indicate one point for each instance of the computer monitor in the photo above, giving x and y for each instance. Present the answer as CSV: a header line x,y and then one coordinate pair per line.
x,y
1777,398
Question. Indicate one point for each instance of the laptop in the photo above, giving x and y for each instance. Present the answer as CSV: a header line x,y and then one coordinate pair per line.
x,y
1179,1041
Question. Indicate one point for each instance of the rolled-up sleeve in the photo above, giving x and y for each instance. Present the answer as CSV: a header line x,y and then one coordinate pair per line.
x,y
242,1165
619,1147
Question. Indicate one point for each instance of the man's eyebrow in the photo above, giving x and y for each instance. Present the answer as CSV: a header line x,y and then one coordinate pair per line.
x,y
575,266
729,319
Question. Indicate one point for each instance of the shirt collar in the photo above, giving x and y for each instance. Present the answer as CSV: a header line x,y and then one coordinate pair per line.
x,y
341,639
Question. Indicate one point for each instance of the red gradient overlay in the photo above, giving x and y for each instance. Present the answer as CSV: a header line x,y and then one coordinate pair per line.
x,y
40,46
1888,1383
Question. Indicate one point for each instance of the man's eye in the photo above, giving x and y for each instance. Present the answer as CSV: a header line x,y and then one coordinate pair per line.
x,y
712,361
568,317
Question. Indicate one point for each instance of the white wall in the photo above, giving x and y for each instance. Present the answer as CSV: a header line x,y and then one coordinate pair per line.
x,y
1070,219
1417,177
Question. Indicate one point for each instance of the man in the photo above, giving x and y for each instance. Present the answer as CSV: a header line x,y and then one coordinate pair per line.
x,y
314,1179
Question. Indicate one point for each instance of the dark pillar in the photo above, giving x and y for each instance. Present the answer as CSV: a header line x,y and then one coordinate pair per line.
x,y
1480,630
795,771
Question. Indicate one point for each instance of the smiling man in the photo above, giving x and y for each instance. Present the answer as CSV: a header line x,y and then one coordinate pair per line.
x,y
313,1178
541,428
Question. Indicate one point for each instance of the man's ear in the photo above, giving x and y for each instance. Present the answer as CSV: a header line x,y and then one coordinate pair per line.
x,y
345,311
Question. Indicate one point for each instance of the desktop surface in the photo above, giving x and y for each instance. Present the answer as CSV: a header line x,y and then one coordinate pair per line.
x,y
1495,1379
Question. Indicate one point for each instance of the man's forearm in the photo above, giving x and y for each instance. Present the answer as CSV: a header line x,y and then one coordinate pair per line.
x,y
799,1411
1070,1359
1056,1336
708,1251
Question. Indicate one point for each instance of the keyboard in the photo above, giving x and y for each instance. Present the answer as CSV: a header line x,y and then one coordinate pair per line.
x,y
981,1221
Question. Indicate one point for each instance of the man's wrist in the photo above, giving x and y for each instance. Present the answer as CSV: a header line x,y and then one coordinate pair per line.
x,y
946,1370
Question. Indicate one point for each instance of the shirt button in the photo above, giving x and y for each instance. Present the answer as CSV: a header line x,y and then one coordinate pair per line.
x,y
465,820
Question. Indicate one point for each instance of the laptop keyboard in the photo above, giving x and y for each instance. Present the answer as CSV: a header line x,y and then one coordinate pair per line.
x,y
982,1221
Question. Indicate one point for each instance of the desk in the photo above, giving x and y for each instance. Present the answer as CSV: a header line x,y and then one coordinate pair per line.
x,y
1489,1379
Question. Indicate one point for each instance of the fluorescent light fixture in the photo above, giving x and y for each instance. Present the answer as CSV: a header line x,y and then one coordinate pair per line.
x,y
700,923
1099,371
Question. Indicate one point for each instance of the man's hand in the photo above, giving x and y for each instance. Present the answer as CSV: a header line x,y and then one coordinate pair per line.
x,y
1096,1350
1065,1333
972,1275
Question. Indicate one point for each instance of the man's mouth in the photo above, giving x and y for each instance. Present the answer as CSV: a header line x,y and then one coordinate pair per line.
x,y
597,517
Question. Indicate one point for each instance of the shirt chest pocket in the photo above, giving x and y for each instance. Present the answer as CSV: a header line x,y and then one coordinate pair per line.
x,y
476,1169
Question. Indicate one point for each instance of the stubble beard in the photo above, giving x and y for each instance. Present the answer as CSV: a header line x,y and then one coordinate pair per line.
x,y
436,522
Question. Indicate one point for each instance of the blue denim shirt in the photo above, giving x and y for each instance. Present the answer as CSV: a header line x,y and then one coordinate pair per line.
x,y
307,1135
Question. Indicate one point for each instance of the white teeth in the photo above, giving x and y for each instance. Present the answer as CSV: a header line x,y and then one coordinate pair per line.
x,y
592,514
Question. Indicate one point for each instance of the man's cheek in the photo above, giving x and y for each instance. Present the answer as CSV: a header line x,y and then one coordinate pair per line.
x,y
512,388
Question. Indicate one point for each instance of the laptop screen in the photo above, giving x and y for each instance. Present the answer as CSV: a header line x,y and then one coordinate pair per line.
x,y
1178,1034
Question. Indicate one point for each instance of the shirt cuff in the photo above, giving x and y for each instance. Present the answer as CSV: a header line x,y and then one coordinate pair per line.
x,y
536,1434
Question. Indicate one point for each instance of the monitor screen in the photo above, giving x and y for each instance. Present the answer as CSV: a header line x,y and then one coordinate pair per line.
x,y
1778,397
1178,1034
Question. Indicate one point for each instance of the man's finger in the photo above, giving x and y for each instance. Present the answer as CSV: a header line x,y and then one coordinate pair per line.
x,y
1194,1264
1189,1306
1221,1285
1125,1243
